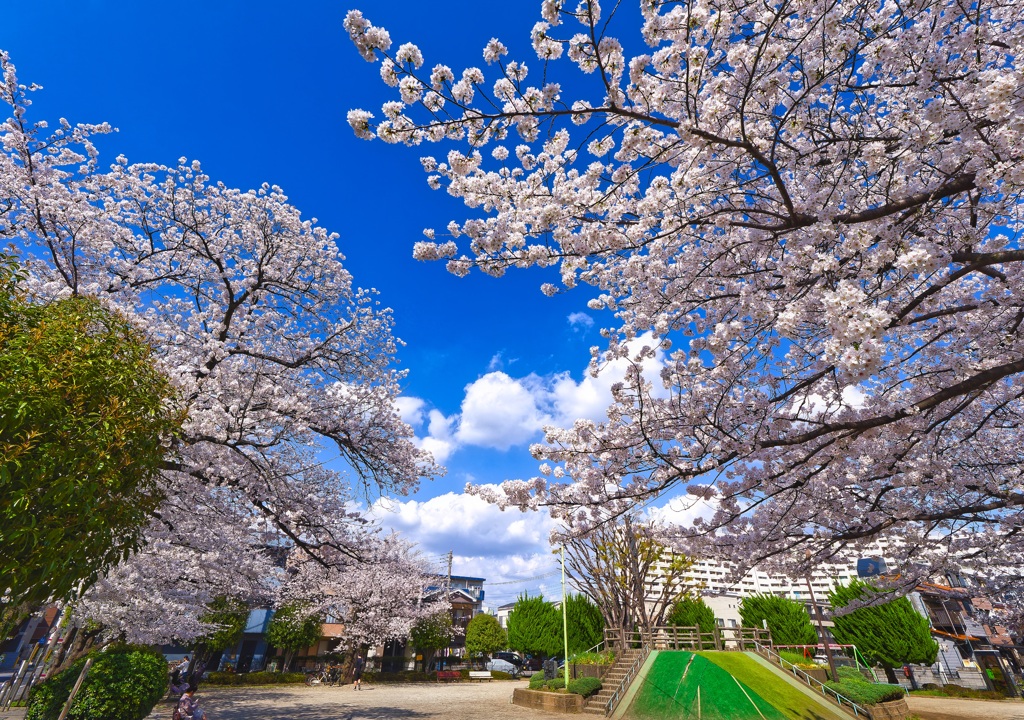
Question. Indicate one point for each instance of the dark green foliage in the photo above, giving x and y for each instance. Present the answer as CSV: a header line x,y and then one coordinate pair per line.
x,y
892,634
690,612
787,619
585,686
485,635
255,678
535,627
854,686
84,418
293,629
537,680
585,623
229,616
124,683
432,634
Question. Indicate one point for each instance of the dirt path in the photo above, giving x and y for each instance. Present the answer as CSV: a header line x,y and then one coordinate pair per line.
x,y
424,701
934,708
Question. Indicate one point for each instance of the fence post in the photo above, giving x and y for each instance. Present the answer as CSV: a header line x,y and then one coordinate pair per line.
x,y
75,689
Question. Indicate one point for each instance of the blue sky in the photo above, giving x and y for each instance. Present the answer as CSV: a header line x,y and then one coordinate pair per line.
x,y
258,92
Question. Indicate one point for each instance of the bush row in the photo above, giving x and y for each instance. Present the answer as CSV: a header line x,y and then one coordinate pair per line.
x,y
854,686
959,691
594,658
254,678
585,686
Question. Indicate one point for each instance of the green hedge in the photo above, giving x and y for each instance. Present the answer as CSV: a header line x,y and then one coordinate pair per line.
x,y
585,686
853,686
594,658
124,683
255,678
931,689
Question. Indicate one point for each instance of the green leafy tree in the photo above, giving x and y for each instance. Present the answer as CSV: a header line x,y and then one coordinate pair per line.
x,y
125,682
84,427
292,629
432,634
585,623
890,634
227,618
535,627
485,635
787,619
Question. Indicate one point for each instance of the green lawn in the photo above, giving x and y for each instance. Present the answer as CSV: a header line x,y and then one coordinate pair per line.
x,y
733,686
789,700
667,693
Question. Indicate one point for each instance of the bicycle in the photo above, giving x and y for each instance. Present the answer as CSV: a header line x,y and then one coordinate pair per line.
x,y
330,675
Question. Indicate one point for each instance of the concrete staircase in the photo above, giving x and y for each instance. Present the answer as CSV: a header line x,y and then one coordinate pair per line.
x,y
624,660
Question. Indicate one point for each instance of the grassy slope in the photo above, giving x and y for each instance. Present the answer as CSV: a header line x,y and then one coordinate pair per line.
x,y
793,703
666,694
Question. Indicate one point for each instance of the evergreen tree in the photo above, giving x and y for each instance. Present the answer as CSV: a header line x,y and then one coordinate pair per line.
x,y
891,634
691,612
485,635
585,623
535,627
787,619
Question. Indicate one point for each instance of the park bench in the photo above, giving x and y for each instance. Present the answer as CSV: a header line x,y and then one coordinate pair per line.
x,y
480,675
446,675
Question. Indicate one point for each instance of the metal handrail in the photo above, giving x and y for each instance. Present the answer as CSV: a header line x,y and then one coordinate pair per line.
x,y
827,692
613,701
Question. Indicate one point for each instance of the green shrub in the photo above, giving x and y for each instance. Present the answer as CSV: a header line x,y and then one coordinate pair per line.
x,y
585,686
799,659
958,691
537,681
499,675
853,686
593,658
255,678
124,683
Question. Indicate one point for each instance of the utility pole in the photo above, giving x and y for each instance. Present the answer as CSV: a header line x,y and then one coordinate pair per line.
x,y
821,624
565,623
448,587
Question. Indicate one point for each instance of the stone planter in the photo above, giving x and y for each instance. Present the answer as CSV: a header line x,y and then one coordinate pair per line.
x,y
892,710
548,701
819,674
595,671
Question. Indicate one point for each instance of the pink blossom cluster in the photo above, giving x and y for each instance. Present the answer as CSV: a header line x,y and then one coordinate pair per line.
x,y
818,206
275,355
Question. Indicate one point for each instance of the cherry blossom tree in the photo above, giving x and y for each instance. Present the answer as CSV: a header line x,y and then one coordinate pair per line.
x,y
816,206
283,368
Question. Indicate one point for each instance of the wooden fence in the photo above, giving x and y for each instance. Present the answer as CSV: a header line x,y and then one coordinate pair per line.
x,y
671,637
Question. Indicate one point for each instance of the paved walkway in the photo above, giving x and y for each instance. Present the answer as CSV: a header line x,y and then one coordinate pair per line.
x,y
421,701
936,708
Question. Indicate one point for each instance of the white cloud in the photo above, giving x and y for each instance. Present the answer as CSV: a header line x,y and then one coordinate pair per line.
x,y
410,409
486,541
580,321
499,412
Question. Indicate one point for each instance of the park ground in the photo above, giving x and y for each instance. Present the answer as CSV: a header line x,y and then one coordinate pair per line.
x,y
465,701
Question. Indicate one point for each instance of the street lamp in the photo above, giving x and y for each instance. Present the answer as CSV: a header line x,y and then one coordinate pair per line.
x,y
821,624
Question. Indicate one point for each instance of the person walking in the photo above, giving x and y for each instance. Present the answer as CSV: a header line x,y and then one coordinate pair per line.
x,y
357,673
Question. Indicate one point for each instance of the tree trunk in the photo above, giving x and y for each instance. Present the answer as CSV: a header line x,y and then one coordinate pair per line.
x,y
890,675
